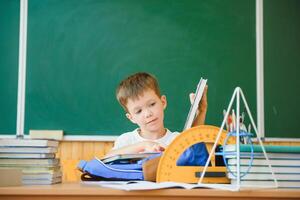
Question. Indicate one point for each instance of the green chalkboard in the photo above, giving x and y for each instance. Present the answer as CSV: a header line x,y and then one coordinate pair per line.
x,y
9,48
78,51
282,62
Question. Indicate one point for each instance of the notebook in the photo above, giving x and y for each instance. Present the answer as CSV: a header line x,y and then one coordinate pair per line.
x,y
127,158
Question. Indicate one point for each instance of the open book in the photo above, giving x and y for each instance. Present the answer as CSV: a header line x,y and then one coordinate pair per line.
x,y
127,158
193,109
148,185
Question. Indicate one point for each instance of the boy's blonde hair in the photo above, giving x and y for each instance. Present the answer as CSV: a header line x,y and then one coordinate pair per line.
x,y
134,86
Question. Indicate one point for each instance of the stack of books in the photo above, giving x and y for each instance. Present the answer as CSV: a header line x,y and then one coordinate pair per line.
x,y
35,157
285,162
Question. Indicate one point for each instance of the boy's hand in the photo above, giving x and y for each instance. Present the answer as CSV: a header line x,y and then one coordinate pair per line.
x,y
202,107
140,147
148,146
203,103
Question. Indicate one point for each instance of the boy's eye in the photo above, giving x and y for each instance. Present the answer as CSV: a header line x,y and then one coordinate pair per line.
x,y
152,104
138,111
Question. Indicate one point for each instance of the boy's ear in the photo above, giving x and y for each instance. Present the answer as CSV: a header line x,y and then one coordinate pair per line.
x,y
128,115
163,99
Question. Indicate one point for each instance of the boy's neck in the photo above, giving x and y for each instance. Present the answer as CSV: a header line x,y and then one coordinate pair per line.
x,y
152,135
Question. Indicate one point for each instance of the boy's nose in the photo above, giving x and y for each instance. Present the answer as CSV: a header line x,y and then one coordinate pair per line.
x,y
148,113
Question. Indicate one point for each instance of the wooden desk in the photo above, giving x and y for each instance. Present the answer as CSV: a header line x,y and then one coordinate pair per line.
x,y
90,192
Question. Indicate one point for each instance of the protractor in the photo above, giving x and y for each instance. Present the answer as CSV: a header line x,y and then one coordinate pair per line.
x,y
168,169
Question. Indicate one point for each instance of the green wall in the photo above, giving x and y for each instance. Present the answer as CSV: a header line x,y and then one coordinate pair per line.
x,y
9,50
282,62
78,51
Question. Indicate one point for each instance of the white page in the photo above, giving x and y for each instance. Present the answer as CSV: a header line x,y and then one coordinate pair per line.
x,y
148,185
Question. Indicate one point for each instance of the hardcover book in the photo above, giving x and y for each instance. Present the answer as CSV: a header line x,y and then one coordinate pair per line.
x,y
28,149
27,143
31,162
268,148
27,155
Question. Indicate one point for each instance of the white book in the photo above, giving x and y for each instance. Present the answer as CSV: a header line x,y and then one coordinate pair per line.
x,y
27,155
28,149
34,169
286,156
31,162
268,148
42,181
260,162
194,107
39,176
265,169
267,176
27,143
281,184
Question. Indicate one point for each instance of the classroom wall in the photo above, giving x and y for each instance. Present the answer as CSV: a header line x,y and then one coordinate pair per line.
x,y
282,68
9,45
78,51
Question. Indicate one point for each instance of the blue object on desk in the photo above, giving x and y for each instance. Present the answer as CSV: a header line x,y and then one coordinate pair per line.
x,y
195,155
95,169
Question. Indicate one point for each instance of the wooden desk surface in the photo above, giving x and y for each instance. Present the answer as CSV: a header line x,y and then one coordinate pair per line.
x,y
91,192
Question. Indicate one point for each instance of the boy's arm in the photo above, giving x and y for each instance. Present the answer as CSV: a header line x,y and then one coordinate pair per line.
x,y
202,108
146,146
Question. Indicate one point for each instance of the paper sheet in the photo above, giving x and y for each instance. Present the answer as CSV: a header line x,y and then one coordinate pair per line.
x,y
148,185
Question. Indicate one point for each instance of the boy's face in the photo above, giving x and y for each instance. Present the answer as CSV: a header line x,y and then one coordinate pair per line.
x,y
147,111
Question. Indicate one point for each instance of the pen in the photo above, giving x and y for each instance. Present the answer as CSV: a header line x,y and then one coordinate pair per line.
x,y
229,121
233,120
224,114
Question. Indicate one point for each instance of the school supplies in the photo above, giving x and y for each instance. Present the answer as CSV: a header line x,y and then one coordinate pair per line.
x,y
193,109
35,158
168,170
144,169
236,135
285,162
97,170
231,122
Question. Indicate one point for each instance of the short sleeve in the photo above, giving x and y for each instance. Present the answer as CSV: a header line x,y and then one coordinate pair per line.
x,y
118,143
123,140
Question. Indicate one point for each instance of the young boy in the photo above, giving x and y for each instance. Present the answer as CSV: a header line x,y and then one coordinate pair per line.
x,y
140,96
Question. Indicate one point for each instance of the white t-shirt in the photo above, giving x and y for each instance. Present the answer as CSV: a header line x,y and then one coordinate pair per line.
x,y
133,137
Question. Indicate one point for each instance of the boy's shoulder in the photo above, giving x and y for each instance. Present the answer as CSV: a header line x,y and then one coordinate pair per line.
x,y
169,137
135,136
129,134
172,133
125,139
